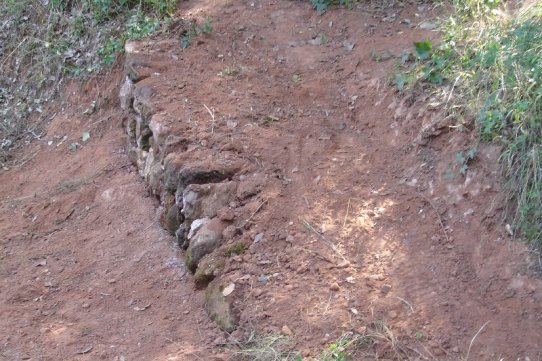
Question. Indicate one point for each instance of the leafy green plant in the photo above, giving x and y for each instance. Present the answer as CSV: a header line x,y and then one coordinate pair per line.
x,y
108,52
195,30
207,26
463,159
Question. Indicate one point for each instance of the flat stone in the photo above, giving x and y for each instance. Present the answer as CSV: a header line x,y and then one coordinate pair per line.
x,y
126,94
226,214
251,186
220,308
285,330
204,241
205,200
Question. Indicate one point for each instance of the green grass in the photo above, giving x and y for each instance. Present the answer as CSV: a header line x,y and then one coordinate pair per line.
x,y
321,5
487,72
44,43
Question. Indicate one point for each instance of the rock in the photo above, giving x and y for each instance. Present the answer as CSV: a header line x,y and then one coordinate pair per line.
x,y
220,341
126,94
220,308
436,349
137,68
160,129
229,232
226,214
196,225
335,287
142,104
181,236
385,289
208,269
258,238
181,169
203,242
173,143
251,186
197,174
205,200
152,172
285,330
170,218
343,264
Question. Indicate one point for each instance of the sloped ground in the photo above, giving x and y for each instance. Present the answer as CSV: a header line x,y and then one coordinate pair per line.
x,y
352,218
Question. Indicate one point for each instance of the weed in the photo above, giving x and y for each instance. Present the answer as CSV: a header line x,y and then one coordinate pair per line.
x,y
195,30
488,72
235,249
341,349
229,71
463,160
207,26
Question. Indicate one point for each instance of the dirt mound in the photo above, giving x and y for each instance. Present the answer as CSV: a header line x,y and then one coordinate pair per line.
x,y
296,180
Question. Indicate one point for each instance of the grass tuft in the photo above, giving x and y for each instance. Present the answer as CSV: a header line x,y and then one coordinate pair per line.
x,y
272,347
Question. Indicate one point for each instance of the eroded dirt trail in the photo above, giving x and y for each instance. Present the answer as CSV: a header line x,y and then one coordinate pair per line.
x,y
350,218
86,271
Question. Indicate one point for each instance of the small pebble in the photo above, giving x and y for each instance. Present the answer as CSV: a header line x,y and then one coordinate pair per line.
x,y
286,331
385,289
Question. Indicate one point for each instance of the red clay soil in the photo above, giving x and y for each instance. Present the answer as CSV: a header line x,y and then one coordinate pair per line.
x,y
358,222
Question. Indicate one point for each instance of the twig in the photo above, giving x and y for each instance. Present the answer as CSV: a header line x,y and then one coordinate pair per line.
x,y
253,214
406,302
326,241
438,215
13,52
327,305
317,254
418,352
474,338
346,215
451,91
212,114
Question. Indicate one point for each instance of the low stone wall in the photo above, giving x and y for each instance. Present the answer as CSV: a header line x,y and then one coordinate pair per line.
x,y
199,188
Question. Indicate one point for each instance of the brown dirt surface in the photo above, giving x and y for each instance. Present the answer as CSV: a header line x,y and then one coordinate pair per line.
x,y
353,218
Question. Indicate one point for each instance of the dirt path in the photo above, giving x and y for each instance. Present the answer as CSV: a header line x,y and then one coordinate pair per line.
x,y
350,224
86,271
